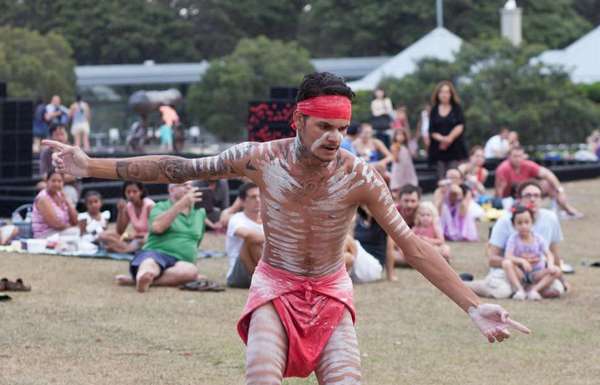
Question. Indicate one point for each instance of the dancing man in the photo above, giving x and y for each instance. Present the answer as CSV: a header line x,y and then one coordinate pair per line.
x,y
299,316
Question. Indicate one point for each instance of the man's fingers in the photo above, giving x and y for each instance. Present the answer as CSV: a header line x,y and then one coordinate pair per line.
x,y
55,145
517,325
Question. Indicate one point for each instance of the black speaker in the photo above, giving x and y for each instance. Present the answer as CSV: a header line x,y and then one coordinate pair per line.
x,y
16,116
16,136
284,93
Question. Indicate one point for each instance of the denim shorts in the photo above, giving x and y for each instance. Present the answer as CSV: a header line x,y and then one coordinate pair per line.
x,y
164,261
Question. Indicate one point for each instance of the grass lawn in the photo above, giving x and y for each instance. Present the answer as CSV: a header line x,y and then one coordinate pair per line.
x,y
77,327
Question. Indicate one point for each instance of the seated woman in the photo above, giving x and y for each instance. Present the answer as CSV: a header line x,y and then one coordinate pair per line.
x,y
372,150
134,211
53,213
454,176
457,215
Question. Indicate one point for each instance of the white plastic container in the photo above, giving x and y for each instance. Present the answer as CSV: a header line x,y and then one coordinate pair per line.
x,y
36,245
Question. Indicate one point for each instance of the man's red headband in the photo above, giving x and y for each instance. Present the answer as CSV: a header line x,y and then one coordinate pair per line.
x,y
326,107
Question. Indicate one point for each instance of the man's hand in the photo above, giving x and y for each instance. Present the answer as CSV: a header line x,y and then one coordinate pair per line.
x,y
68,159
493,322
192,196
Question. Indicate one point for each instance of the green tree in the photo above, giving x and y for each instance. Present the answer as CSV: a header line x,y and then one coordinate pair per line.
x,y
109,31
221,98
373,27
498,87
36,65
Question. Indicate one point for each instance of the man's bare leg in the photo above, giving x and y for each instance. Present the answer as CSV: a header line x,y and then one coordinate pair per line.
x,y
147,271
179,274
250,254
266,354
340,360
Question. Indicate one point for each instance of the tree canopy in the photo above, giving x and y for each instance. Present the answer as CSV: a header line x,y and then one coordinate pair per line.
x,y
221,98
35,65
113,31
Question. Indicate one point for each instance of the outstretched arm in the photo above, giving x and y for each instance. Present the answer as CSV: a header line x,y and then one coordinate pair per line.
x,y
418,253
492,320
153,168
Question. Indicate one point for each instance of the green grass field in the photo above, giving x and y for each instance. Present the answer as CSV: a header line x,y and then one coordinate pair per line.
x,y
77,327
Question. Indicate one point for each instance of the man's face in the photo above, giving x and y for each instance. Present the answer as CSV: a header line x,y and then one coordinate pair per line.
x,y
504,133
178,191
321,137
531,196
252,201
60,135
56,100
516,157
409,204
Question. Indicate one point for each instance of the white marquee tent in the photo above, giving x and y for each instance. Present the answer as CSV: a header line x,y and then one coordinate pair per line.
x,y
437,44
581,59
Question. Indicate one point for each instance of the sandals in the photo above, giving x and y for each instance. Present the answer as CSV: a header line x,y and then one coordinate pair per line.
x,y
18,285
202,285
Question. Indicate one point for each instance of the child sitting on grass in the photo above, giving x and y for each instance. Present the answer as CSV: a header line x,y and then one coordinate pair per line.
x,y
527,259
427,226
93,222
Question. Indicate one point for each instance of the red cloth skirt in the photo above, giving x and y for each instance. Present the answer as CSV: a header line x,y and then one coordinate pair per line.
x,y
310,308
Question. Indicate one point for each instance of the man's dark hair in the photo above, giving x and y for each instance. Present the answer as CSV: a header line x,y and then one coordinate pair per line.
x,y
323,83
409,189
243,190
515,148
92,193
139,185
527,183
55,126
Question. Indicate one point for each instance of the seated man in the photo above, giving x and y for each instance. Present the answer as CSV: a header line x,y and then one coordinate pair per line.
x,y
361,266
245,238
219,201
498,145
546,224
168,257
516,169
409,198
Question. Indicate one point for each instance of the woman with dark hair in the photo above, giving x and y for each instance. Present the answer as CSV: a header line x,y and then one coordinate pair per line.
x,y
446,129
134,209
52,212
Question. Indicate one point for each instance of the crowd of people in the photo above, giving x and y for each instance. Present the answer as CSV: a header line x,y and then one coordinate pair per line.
x,y
164,236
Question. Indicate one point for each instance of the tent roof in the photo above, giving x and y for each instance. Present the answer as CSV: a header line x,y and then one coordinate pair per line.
x,y
581,58
438,44
150,73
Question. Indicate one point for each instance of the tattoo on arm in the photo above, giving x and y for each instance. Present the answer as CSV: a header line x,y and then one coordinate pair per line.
x,y
178,170
144,171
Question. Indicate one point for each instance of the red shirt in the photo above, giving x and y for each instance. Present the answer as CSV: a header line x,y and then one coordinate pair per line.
x,y
511,177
